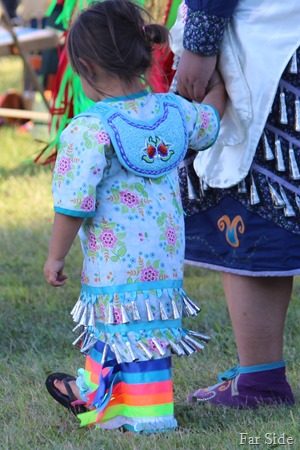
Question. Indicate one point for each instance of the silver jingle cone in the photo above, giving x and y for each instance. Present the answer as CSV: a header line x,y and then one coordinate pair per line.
x,y
124,315
288,209
187,348
175,348
117,353
280,166
293,67
282,109
254,197
293,166
192,304
297,115
85,316
176,314
276,198
145,349
160,349
111,316
79,311
197,345
91,341
135,311
201,336
242,187
150,315
268,154
131,352
92,316
190,188
188,309
79,338
163,312
297,199
104,354
75,308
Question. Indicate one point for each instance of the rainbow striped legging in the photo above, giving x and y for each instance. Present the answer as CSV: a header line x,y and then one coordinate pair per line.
x,y
135,395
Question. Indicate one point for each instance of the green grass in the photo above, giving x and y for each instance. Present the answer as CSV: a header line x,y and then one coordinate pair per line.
x,y
35,335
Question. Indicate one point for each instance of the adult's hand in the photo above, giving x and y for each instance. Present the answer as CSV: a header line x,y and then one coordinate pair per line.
x,y
193,74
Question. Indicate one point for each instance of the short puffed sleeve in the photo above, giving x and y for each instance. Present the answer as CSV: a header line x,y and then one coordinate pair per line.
x,y
79,167
203,124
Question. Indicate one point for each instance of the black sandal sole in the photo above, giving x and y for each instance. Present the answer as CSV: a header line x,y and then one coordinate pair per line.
x,y
64,400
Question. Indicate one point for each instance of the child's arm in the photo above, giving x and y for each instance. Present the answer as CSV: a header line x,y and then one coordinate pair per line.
x,y
64,231
216,93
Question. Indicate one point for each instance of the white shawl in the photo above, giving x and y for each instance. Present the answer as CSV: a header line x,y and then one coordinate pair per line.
x,y
257,45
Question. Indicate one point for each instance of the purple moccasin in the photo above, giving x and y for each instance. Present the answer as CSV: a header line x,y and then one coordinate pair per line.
x,y
248,390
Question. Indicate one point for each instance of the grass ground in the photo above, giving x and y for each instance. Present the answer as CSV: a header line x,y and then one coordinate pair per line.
x,y
35,333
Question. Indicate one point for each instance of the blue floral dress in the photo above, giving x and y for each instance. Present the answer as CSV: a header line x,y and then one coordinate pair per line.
x,y
132,236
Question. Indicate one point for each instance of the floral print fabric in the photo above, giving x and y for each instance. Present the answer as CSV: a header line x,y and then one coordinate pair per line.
x,y
132,235
133,227
203,32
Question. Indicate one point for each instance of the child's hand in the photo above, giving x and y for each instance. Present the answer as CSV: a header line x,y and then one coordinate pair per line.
x,y
53,271
215,79
216,94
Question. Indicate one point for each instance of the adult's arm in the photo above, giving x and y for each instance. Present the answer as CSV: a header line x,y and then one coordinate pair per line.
x,y
203,33
221,8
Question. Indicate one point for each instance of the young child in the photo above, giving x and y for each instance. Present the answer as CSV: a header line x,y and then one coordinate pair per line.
x,y
115,181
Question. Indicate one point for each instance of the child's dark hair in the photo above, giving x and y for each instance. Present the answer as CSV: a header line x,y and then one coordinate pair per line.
x,y
114,35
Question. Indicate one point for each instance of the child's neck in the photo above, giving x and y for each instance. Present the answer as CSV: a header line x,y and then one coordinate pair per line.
x,y
115,88
125,91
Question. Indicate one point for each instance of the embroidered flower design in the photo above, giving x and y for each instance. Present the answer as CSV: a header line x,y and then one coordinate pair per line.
x,y
171,235
163,149
108,238
102,137
129,198
149,274
88,203
64,165
156,148
151,151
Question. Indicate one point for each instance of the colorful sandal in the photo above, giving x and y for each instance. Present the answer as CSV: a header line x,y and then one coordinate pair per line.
x,y
68,401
